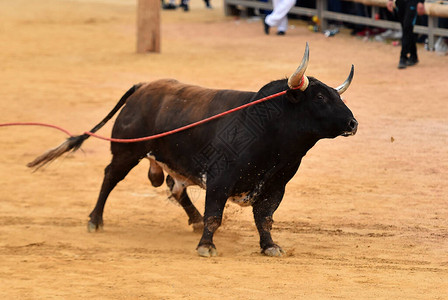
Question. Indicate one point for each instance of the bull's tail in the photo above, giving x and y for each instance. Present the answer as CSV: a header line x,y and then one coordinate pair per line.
x,y
74,143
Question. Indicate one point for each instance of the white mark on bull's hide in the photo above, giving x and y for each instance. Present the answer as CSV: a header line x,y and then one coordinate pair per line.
x,y
247,198
204,180
243,199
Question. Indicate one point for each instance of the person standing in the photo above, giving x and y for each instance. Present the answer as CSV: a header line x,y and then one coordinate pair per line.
x,y
207,4
184,4
279,16
407,11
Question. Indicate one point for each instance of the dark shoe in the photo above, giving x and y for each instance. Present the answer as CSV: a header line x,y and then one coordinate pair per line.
x,y
184,5
266,26
412,61
281,33
402,64
207,4
169,6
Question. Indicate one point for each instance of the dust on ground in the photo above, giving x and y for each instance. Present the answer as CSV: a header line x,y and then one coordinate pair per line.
x,y
365,217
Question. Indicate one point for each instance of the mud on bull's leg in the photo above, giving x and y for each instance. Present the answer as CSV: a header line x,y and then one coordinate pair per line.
x,y
206,247
268,247
214,208
263,211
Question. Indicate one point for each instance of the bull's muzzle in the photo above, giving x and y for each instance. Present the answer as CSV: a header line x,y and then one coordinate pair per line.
x,y
352,127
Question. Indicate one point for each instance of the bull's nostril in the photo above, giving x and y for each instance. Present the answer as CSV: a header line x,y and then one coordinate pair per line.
x,y
353,124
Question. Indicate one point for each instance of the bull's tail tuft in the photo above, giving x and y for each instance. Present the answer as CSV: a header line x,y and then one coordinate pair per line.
x,y
71,144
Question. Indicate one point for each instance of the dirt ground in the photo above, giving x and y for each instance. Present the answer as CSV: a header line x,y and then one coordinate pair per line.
x,y
364,218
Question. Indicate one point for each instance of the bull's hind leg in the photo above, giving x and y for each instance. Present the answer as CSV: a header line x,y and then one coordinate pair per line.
x,y
113,174
194,217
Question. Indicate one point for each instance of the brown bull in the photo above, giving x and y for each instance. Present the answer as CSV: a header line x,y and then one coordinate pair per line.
x,y
247,157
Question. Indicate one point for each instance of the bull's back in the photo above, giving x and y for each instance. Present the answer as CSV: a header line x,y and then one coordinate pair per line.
x,y
168,104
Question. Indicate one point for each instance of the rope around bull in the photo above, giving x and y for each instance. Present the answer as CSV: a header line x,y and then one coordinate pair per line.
x,y
155,136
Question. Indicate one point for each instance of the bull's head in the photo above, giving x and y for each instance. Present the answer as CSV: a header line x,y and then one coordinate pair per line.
x,y
322,103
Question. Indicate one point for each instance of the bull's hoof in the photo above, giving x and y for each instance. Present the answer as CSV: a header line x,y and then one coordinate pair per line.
x,y
274,251
198,227
92,227
207,251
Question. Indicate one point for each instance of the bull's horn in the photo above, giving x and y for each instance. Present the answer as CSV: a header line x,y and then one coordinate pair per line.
x,y
298,79
343,87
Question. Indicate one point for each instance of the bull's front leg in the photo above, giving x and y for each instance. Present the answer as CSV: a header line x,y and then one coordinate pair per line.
x,y
263,210
214,207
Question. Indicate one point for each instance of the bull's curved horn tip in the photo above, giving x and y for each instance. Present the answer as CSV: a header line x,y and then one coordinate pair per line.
x,y
343,87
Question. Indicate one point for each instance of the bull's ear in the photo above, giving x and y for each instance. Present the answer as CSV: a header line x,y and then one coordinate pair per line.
x,y
295,96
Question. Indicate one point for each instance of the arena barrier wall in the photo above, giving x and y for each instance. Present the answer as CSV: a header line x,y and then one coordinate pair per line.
x,y
434,10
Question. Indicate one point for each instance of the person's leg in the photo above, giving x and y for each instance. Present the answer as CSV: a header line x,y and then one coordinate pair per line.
x,y
401,9
413,58
281,9
409,18
282,25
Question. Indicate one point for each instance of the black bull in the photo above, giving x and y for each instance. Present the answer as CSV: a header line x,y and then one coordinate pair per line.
x,y
248,156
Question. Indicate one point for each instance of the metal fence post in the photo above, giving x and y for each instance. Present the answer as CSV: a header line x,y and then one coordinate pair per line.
x,y
322,6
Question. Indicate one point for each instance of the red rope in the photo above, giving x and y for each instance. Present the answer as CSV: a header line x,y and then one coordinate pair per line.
x,y
36,124
156,136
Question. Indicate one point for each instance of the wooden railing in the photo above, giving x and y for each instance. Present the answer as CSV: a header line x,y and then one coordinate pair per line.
x,y
434,10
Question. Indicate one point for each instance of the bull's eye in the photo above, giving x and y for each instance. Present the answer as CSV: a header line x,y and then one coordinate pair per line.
x,y
320,97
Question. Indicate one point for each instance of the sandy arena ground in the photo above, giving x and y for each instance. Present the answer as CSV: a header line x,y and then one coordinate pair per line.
x,y
364,218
